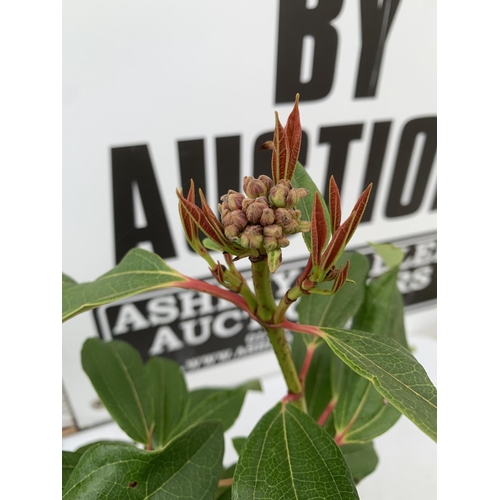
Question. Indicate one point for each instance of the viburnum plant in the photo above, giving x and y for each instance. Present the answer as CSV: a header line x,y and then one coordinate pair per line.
x,y
346,385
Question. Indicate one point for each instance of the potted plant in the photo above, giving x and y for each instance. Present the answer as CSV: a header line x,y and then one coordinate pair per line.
x,y
345,386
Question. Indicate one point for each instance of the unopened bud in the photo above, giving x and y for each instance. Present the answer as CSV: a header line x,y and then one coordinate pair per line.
x,y
254,210
272,235
286,220
223,205
294,195
278,195
267,217
218,273
236,218
304,226
253,187
283,242
332,274
231,232
252,237
235,199
267,181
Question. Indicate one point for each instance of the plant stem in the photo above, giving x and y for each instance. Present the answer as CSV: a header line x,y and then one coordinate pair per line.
x,y
266,307
307,362
327,412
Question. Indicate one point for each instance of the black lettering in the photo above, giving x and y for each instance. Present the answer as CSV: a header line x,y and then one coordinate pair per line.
x,y
192,163
435,202
376,21
428,128
296,22
228,164
262,159
339,138
132,169
192,166
374,164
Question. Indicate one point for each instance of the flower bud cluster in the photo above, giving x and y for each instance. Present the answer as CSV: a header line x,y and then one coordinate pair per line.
x,y
265,216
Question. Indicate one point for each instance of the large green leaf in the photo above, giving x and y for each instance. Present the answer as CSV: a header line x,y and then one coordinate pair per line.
x,y
119,378
361,459
289,456
139,271
69,462
170,397
336,310
302,179
392,369
213,404
318,387
239,443
361,413
382,310
188,468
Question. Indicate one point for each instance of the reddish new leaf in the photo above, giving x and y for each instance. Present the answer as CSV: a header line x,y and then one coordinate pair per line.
x,y
280,152
293,132
334,203
344,233
319,230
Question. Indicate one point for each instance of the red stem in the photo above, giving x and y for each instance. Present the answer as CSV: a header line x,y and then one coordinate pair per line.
x,y
225,482
307,362
203,286
326,412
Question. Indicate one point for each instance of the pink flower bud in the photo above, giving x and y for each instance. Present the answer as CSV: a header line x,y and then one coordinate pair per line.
x,y
278,195
267,181
267,217
254,187
235,200
236,218
272,235
231,232
286,220
254,210
252,237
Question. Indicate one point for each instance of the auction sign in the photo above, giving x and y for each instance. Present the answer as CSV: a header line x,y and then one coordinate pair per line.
x,y
156,93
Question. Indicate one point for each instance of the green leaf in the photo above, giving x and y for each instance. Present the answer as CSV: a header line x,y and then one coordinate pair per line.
x,y
336,310
238,443
170,397
216,404
361,459
85,447
69,462
392,255
288,456
299,349
211,245
392,369
67,281
139,271
188,468
302,179
382,311
361,413
119,378
318,387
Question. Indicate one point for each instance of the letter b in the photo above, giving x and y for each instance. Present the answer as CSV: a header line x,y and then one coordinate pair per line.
x,y
296,22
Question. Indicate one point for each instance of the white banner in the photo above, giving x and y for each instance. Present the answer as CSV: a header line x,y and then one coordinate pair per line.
x,y
158,92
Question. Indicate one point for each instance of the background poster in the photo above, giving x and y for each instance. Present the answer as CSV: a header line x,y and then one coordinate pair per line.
x,y
156,93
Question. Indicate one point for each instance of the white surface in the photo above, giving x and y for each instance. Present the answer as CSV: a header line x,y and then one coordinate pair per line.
x,y
407,466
